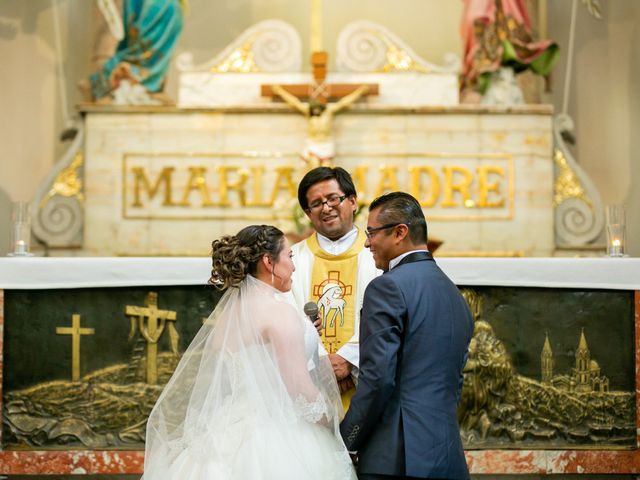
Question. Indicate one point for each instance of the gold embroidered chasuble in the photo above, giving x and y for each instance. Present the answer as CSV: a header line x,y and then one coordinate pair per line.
x,y
333,288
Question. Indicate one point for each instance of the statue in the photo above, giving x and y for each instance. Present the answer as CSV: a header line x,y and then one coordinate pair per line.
x,y
319,148
135,73
498,34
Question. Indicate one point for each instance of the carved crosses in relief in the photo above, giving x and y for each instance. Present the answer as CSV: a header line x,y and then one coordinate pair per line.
x,y
76,332
151,323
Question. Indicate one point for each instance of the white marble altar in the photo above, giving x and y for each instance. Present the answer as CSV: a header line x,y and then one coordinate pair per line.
x,y
202,89
162,181
108,272
270,53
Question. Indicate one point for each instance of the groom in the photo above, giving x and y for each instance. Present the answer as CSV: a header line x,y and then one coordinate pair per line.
x,y
414,334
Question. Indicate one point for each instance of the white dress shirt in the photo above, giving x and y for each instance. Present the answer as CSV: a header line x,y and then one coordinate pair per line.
x,y
337,247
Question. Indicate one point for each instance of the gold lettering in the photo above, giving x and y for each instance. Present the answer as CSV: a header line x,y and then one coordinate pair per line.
x,y
196,182
484,187
284,182
450,187
141,181
258,184
238,185
388,181
359,177
416,186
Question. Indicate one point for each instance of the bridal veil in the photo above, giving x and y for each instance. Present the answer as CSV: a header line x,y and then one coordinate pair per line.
x,y
247,400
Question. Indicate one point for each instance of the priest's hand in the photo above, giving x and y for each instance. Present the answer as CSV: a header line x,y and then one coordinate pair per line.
x,y
318,325
341,368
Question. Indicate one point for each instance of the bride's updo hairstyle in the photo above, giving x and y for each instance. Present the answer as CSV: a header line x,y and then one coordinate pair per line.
x,y
236,256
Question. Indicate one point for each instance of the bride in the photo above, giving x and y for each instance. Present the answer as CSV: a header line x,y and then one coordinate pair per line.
x,y
251,398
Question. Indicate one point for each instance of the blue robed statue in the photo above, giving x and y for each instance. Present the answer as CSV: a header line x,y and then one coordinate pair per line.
x,y
151,31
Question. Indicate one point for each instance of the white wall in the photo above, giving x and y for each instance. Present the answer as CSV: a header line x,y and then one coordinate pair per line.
x,y
605,92
604,99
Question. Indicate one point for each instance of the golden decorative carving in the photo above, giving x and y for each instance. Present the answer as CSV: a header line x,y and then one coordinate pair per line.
x,y
104,409
76,332
567,184
399,60
68,182
248,189
152,331
585,376
498,404
239,61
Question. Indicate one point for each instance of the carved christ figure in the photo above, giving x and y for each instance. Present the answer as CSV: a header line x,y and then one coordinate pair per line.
x,y
319,147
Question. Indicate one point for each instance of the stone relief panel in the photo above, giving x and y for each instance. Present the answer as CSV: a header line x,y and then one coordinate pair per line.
x,y
547,368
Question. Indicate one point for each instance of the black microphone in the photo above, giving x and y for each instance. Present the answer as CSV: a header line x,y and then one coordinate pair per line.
x,y
311,310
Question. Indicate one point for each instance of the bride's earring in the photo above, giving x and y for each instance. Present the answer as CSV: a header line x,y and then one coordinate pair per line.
x,y
272,275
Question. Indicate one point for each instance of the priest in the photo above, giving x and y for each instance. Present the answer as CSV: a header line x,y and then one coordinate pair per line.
x,y
333,268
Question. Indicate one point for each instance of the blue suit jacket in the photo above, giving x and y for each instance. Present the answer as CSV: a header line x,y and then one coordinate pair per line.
x,y
415,329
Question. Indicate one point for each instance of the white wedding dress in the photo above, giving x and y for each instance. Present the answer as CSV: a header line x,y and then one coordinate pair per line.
x,y
251,399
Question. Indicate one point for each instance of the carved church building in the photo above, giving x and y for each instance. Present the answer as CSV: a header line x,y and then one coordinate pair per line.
x,y
585,377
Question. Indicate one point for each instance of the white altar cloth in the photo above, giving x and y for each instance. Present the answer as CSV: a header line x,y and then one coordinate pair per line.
x,y
95,272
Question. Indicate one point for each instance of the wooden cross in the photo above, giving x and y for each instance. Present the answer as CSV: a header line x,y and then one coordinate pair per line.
x,y
319,91
152,331
75,331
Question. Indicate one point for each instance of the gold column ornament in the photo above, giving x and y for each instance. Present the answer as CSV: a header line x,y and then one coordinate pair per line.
x,y
152,331
399,59
68,183
567,184
240,60
75,331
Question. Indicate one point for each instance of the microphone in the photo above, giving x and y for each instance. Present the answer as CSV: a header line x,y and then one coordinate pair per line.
x,y
311,310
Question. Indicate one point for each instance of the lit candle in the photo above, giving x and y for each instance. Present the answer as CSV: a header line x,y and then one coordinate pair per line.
x,y
21,247
616,247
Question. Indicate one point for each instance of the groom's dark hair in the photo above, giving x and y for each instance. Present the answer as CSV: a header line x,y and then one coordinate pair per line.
x,y
400,207
321,174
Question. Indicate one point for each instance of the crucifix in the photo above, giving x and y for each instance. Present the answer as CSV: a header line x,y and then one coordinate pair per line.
x,y
152,331
319,146
318,91
76,332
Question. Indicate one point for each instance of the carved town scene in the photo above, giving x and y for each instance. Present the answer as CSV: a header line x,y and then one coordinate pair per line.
x,y
542,399
575,407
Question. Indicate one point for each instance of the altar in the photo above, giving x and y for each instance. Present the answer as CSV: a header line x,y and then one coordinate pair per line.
x,y
551,382
550,389
149,180
168,181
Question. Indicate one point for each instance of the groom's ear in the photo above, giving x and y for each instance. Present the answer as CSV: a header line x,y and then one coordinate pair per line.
x,y
401,232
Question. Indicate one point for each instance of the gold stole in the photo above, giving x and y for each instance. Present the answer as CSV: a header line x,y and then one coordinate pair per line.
x,y
334,280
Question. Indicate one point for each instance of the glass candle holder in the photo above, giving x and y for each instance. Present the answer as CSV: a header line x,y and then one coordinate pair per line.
x,y
20,230
615,216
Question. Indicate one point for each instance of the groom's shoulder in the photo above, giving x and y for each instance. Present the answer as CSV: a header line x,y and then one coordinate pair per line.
x,y
382,282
